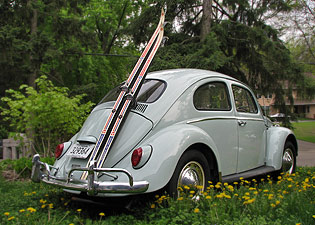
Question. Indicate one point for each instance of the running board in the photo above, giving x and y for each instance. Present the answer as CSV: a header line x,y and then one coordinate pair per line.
x,y
248,174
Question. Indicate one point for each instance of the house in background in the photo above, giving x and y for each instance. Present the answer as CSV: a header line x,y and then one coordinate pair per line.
x,y
303,108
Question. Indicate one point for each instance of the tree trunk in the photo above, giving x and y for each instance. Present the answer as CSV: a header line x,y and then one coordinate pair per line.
x,y
206,19
33,74
30,133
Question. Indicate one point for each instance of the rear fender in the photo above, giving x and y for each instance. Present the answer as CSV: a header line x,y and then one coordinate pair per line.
x,y
276,138
168,146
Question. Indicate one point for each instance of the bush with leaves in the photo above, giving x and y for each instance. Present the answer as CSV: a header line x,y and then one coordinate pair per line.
x,y
49,114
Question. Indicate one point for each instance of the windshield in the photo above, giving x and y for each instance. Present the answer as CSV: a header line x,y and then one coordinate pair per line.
x,y
150,91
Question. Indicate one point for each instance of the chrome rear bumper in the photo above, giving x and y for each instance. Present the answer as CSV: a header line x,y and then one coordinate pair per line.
x,y
42,172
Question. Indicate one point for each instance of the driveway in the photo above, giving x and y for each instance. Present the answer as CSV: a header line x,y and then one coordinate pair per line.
x,y
306,155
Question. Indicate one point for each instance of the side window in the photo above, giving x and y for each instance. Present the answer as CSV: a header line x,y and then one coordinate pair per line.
x,y
212,96
244,100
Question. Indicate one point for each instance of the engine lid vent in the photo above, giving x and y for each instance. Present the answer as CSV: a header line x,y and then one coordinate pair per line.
x,y
141,107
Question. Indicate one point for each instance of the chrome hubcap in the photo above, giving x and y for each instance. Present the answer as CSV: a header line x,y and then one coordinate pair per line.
x,y
288,161
192,175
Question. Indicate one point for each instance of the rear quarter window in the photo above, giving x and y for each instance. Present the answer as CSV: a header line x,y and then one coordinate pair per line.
x,y
212,96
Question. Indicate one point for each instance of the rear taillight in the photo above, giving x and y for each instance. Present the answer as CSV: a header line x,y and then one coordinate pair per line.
x,y
59,150
136,157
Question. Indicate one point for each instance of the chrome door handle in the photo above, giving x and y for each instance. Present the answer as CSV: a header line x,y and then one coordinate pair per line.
x,y
241,123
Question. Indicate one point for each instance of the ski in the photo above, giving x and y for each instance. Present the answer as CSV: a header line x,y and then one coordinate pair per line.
x,y
128,92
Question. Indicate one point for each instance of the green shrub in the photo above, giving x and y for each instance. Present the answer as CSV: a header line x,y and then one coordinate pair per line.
x,y
22,166
48,114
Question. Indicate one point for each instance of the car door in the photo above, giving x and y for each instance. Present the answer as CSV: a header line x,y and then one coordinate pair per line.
x,y
251,129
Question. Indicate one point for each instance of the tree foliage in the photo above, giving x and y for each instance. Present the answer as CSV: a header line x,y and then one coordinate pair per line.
x,y
239,43
49,111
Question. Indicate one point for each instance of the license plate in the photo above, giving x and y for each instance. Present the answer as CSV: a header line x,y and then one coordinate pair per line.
x,y
80,151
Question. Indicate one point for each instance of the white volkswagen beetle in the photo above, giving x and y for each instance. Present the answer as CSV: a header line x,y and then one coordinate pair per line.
x,y
187,127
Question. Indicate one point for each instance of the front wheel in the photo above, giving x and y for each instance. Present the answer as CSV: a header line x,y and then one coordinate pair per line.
x,y
288,158
192,171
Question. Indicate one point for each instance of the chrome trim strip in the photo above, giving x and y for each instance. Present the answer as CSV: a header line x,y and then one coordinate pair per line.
x,y
41,172
211,118
223,118
249,118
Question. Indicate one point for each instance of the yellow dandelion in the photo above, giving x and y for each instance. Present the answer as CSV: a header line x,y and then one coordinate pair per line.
x,y
103,214
6,213
265,191
31,210
34,192
51,205
22,210
180,199
46,195
227,196
79,210
186,187
230,187
314,216
199,187
277,202
11,218
192,192
71,223
273,205
208,197
66,203
196,210
241,178
42,201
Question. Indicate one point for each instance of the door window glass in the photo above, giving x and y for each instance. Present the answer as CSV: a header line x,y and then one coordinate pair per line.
x,y
244,100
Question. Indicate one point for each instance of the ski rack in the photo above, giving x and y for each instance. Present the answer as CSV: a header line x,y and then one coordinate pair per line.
x,y
122,104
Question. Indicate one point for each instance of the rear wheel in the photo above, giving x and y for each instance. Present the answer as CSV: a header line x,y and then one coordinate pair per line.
x,y
192,171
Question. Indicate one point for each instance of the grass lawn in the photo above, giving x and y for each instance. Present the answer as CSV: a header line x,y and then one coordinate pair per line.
x,y
305,131
290,200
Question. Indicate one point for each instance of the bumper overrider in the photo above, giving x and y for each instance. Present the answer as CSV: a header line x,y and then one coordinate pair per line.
x,y
42,172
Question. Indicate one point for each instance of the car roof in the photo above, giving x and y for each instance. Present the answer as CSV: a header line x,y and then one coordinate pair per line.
x,y
188,76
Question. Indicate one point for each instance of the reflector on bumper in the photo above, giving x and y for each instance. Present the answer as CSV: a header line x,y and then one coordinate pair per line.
x,y
42,172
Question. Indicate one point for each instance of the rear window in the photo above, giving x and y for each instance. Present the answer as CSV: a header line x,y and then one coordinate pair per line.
x,y
150,91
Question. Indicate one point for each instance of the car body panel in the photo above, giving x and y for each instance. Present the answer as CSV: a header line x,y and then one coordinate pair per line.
x,y
276,139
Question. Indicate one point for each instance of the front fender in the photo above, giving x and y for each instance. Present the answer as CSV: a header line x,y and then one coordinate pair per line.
x,y
276,139
168,146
